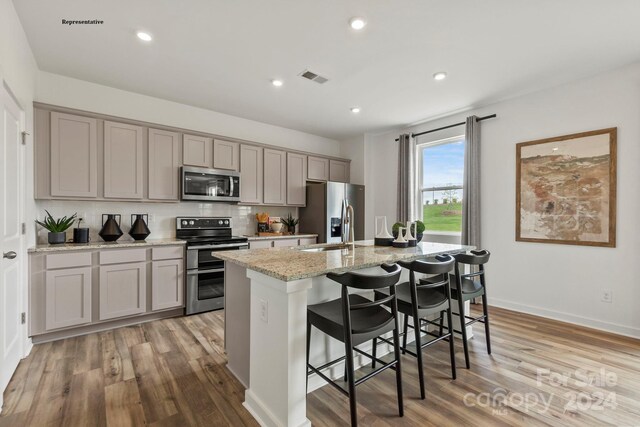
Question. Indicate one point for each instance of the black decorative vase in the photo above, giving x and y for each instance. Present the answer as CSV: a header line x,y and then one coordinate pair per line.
x,y
110,231
139,229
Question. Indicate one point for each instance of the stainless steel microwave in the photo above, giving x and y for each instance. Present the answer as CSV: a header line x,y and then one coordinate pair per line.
x,y
210,185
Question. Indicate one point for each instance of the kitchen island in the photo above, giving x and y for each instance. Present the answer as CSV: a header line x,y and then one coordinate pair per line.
x,y
266,297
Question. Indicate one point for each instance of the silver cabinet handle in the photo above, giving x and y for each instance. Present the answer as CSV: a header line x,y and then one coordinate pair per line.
x,y
9,255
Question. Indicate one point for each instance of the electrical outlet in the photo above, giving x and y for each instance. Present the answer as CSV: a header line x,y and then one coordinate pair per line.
x,y
607,295
151,218
264,311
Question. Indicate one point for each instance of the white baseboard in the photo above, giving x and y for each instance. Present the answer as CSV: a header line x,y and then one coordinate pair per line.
x,y
567,317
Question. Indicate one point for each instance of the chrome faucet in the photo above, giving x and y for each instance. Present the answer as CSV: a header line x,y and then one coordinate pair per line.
x,y
347,223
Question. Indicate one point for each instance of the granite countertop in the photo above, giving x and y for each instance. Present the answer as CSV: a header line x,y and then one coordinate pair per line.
x,y
284,236
104,245
289,264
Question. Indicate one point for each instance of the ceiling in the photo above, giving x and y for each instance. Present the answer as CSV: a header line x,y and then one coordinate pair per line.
x,y
222,54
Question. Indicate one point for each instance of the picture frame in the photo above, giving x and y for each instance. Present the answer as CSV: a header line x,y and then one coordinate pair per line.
x,y
566,189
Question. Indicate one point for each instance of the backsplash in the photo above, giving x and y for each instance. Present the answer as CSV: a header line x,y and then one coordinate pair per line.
x,y
161,215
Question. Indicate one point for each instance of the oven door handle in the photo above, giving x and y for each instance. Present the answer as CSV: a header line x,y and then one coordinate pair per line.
x,y
230,245
196,272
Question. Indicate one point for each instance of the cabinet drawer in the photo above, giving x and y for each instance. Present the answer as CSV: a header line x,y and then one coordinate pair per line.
x,y
285,243
307,241
260,244
68,260
171,252
111,256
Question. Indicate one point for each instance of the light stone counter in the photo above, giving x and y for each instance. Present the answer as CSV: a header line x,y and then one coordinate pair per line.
x,y
288,264
104,245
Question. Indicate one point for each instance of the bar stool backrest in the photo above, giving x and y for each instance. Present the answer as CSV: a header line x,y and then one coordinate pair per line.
x,y
473,258
368,282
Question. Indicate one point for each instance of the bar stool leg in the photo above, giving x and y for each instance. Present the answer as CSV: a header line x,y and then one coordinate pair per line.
x,y
452,350
396,350
306,368
406,332
351,380
442,321
486,322
373,352
416,323
463,329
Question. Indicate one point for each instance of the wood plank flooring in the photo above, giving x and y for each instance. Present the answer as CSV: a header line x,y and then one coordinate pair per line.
x,y
172,373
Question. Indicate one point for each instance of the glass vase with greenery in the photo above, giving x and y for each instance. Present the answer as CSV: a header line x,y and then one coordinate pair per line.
x,y
291,223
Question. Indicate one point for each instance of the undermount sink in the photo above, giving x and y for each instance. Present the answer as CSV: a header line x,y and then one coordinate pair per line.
x,y
334,247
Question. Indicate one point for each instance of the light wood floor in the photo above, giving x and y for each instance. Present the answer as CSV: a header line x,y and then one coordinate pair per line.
x,y
171,373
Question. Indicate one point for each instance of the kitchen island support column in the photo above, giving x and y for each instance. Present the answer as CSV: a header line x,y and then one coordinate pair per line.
x,y
277,387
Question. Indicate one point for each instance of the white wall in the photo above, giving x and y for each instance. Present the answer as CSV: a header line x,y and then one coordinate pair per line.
x,y
558,281
73,93
18,70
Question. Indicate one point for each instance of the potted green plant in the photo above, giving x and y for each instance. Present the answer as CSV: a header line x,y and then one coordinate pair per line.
x,y
291,223
417,229
57,227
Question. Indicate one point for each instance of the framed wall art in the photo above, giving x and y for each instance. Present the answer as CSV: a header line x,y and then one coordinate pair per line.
x,y
566,189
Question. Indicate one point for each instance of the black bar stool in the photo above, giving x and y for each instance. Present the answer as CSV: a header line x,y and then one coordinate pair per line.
x,y
419,300
353,320
471,286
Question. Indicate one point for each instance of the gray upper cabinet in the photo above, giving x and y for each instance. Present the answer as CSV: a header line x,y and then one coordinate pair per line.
x,y
123,161
197,151
74,156
296,179
338,171
251,181
226,155
318,169
275,177
164,165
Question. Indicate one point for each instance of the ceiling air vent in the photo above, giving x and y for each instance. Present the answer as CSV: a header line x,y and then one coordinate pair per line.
x,y
310,75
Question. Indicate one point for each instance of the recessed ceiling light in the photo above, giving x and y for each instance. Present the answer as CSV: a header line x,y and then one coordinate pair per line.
x,y
276,82
144,36
440,75
555,149
357,23
355,110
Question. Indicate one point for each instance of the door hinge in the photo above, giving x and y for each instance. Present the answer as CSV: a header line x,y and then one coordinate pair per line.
x,y
24,137
23,318
24,228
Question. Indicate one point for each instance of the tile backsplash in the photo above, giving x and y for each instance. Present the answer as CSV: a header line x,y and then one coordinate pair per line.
x,y
161,215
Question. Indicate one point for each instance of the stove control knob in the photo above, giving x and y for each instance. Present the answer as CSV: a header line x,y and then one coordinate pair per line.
x,y
226,222
191,222
184,222
220,222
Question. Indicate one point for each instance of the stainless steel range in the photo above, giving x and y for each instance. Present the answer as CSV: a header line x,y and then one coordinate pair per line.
x,y
205,272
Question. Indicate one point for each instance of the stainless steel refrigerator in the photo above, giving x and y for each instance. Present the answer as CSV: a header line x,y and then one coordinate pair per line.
x,y
324,210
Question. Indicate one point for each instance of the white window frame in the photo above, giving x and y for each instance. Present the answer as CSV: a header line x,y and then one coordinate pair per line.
x,y
420,147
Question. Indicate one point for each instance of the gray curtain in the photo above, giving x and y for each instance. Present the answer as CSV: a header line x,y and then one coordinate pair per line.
x,y
406,178
471,184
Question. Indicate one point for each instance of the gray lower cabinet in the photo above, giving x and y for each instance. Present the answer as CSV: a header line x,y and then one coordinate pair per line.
x,y
251,182
68,297
275,177
123,290
281,242
74,155
226,155
123,161
164,165
167,284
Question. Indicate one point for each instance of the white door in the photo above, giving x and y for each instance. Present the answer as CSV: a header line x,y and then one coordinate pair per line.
x,y
10,237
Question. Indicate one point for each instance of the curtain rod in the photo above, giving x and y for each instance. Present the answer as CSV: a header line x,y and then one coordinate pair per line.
x,y
413,135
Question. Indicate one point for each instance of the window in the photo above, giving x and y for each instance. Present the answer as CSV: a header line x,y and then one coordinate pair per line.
x,y
441,169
